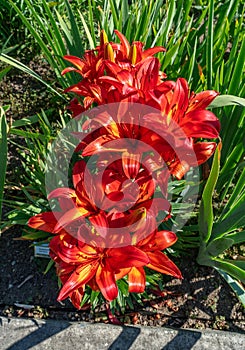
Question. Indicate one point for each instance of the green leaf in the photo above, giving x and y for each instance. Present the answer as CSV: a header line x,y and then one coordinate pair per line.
x,y
205,221
4,71
217,246
50,264
91,19
77,47
227,100
237,195
91,41
85,299
234,268
236,286
123,286
237,237
33,236
3,154
25,121
234,220
209,50
170,55
238,69
25,69
94,296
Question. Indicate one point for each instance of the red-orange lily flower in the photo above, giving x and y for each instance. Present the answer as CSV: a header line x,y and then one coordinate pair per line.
x,y
94,213
91,67
152,246
136,135
89,262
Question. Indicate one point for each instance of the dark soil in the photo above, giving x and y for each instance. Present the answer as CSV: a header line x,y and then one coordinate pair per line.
x,y
201,300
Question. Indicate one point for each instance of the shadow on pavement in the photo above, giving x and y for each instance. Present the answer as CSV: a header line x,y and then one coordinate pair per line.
x,y
125,339
43,332
183,340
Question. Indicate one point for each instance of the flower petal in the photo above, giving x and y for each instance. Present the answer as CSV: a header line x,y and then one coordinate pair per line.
x,y
80,277
136,280
201,123
204,150
159,240
164,239
76,297
161,263
65,192
129,256
152,51
124,42
131,164
44,221
202,100
106,281
70,216
78,172
75,60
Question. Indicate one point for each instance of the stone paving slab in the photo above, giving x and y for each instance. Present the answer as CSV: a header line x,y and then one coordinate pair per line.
x,y
23,334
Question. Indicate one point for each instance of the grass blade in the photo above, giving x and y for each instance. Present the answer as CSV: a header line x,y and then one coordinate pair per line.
x,y
236,286
3,154
77,42
91,41
227,100
209,49
25,69
205,221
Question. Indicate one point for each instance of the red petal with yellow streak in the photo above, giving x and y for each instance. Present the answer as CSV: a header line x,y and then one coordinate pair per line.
x,y
106,281
129,256
131,164
124,42
80,277
123,272
136,280
204,150
75,60
44,221
76,297
71,255
161,263
70,216
152,51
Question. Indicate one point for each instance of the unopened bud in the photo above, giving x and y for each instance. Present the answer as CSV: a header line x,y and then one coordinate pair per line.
x,y
103,38
109,53
133,54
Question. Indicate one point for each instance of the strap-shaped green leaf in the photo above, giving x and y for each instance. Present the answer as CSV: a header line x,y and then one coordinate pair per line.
x,y
227,100
33,236
237,237
235,285
205,220
235,220
235,268
217,246
10,60
209,50
3,153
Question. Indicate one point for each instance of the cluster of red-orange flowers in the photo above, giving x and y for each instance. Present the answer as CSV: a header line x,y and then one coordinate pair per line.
x,y
107,228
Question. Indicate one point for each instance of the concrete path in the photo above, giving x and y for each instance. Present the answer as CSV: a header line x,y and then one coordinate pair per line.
x,y
23,334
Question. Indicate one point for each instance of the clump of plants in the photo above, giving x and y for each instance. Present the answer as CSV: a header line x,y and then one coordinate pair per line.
x,y
113,193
